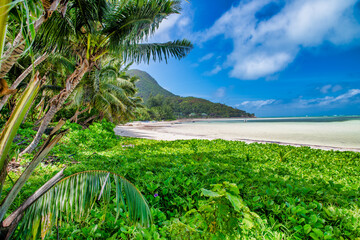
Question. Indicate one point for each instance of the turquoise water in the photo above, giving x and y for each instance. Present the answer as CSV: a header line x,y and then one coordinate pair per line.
x,y
334,131
282,119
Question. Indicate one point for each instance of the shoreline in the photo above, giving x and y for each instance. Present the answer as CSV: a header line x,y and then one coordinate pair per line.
x,y
184,130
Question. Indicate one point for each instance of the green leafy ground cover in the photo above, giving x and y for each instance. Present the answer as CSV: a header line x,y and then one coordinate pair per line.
x,y
200,189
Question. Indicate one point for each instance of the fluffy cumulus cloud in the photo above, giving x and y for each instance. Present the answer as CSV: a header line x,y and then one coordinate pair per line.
x,y
268,34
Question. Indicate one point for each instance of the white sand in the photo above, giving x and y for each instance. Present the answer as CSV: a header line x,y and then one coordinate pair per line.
x,y
329,135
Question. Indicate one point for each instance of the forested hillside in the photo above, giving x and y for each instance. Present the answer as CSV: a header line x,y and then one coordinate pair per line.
x,y
147,85
163,104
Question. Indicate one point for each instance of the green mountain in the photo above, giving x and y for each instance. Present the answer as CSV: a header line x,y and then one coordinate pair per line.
x,y
147,85
163,104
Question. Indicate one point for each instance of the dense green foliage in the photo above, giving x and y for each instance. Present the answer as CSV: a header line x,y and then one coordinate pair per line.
x,y
198,189
147,85
175,107
164,105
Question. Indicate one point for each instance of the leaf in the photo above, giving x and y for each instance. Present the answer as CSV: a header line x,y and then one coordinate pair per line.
x,y
209,193
298,228
318,232
313,219
248,221
307,229
17,116
314,236
235,201
233,188
74,196
256,199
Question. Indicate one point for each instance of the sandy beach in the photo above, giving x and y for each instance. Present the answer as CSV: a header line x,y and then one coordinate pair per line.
x,y
343,135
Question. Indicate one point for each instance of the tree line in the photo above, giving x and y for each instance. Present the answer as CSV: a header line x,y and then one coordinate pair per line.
x,y
161,107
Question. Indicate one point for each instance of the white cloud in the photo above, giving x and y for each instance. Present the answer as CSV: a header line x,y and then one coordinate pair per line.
x,y
176,26
220,92
271,106
328,100
183,22
216,70
206,57
260,65
163,33
327,88
266,46
341,98
256,104
336,88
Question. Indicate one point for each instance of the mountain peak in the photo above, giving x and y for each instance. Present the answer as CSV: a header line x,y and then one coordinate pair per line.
x,y
147,85
156,97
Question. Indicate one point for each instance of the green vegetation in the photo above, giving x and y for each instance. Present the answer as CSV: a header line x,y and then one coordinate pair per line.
x,y
147,85
165,108
196,189
164,105
75,40
199,189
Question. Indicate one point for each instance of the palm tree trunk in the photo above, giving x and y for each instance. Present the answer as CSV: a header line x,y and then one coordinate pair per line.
x,y
57,102
12,54
90,119
77,113
23,76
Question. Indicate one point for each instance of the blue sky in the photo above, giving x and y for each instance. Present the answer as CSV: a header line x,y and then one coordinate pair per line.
x,y
271,58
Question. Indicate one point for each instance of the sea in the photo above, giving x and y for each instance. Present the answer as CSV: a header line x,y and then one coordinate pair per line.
x,y
327,131
323,119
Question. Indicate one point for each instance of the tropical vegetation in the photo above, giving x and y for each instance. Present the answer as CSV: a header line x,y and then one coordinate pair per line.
x,y
201,189
84,36
164,105
65,65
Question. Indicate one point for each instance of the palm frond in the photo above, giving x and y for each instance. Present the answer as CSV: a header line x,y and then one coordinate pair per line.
x,y
89,13
55,33
137,20
116,102
68,64
156,51
125,85
73,198
108,71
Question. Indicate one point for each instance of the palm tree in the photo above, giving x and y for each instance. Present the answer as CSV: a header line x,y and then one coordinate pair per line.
x,y
110,91
95,29
42,209
59,197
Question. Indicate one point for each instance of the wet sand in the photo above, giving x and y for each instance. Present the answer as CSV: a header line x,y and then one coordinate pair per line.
x,y
343,136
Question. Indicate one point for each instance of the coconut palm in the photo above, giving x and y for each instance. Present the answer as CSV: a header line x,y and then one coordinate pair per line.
x,y
97,29
59,197
110,91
